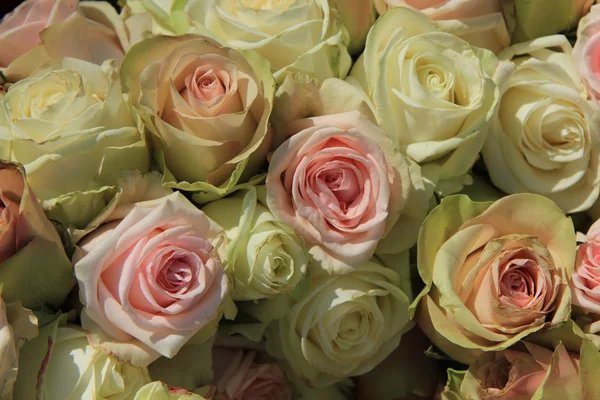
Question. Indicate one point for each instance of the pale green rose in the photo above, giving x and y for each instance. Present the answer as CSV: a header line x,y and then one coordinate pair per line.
x,y
207,108
431,92
34,267
71,127
61,364
96,33
343,325
264,256
294,35
17,325
528,372
161,391
494,272
531,19
544,137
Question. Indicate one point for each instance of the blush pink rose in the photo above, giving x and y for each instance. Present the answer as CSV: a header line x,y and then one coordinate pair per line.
x,y
240,375
585,283
339,184
20,29
518,375
154,276
586,53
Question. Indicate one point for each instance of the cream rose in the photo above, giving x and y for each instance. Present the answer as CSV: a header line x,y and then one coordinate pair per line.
x,y
479,22
71,127
494,272
431,92
343,187
154,278
206,106
264,256
20,29
294,35
60,363
544,134
357,16
343,325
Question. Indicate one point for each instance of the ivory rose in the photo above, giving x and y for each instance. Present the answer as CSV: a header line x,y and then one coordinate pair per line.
x,y
344,188
544,136
152,279
33,265
343,325
293,35
20,29
241,375
207,108
494,272
60,363
479,22
71,128
431,92
587,51
527,372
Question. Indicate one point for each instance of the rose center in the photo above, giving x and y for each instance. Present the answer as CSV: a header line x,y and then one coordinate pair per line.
x,y
437,81
342,182
206,85
175,277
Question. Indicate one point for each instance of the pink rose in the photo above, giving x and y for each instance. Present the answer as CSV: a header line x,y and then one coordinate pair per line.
x,y
154,276
240,376
340,184
585,283
586,53
11,187
20,29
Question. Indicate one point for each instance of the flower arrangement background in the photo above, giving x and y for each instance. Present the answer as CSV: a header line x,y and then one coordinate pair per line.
x,y
300,199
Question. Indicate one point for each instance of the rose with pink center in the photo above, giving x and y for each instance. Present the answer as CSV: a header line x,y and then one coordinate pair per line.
x,y
340,184
206,106
494,272
154,277
586,53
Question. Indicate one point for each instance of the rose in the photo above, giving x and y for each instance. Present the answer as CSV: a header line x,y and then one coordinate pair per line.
x,y
294,35
493,272
523,17
343,325
264,256
166,17
71,128
585,283
243,375
33,265
17,325
206,106
533,372
95,34
343,187
430,91
357,16
586,51
544,134
479,22
20,29
61,364
153,279
161,391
